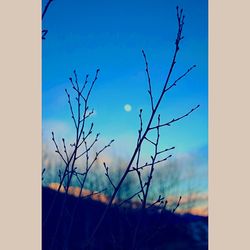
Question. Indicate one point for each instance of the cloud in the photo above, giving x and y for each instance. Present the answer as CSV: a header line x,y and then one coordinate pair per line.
x,y
202,211
76,191
60,128
193,197
195,203
185,174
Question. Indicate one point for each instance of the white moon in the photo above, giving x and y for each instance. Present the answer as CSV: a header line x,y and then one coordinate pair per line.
x,y
127,107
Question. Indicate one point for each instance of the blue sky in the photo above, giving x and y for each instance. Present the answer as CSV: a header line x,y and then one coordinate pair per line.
x,y
91,34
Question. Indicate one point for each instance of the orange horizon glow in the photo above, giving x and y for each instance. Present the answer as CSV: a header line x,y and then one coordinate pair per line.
x,y
196,210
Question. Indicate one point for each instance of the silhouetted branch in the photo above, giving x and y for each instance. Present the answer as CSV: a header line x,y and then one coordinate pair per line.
x,y
45,31
149,81
93,82
164,206
89,147
137,168
79,114
43,171
131,197
107,174
149,141
65,149
98,153
85,83
94,193
71,108
84,138
165,150
159,200
179,78
150,164
153,158
46,8
175,119
143,135
57,148
89,114
177,205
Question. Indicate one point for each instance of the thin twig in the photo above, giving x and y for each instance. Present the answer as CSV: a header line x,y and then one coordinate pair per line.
x,y
94,193
159,200
43,171
46,8
149,164
175,119
149,81
131,197
65,149
44,33
71,108
179,78
179,37
89,148
57,148
107,174
177,205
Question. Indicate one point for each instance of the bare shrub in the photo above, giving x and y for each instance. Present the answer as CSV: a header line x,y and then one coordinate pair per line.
x,y
80,149
153,125
122,186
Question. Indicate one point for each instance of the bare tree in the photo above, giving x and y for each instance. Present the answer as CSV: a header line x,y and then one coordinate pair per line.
x,y
134,164
83,144
78,162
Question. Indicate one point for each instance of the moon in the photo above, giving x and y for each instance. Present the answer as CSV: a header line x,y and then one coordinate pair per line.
x,y
127,107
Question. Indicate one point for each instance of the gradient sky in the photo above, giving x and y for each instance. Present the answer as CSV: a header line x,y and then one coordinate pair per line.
x,y
90,34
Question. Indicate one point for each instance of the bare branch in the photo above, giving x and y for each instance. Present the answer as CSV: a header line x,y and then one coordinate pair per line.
x,y
150,141
139,138
179,78
99,152
178,204
159,200
57,148
71,108
131,197
107,174
149,81
179,37
140,198
165,150
89,148
152,166
149,164
65,149
88,115
85,83
43,171
164,206
77,177
175,119
87,159
72,83
96,77
76,80
95,193
46,8
44,33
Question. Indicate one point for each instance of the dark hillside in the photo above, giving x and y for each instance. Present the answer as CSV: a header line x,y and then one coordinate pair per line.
x,y
156,231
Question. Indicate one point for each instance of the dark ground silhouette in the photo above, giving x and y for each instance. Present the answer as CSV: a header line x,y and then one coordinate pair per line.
x,y
156,231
